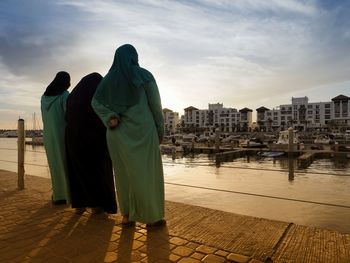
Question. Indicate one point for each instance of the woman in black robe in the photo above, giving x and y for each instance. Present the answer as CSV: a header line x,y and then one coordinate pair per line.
x,y
90,173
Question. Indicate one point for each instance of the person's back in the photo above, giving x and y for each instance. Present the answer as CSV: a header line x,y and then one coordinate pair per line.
x,y
90,171
128,103
53,105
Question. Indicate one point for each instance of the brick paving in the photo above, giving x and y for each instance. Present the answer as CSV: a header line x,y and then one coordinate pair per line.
x,y
33,230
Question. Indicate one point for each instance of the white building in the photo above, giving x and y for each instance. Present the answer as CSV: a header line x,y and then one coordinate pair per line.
x,y
302,114
171,121
216,116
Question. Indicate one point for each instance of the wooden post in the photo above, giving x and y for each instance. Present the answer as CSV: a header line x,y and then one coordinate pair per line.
x,y
290,140
20,161
217,140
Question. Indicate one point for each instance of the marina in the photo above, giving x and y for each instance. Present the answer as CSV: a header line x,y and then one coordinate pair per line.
x,y
276,188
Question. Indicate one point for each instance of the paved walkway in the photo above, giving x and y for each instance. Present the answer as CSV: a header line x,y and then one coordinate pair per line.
x,y
32,230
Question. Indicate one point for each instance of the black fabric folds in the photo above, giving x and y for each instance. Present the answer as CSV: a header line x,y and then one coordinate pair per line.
x,y
90,173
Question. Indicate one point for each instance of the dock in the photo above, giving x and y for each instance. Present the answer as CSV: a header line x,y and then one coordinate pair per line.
x,y
306,159
33,230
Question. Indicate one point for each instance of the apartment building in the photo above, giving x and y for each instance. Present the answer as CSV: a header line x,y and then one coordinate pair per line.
x,y
171,121
216,116
302,114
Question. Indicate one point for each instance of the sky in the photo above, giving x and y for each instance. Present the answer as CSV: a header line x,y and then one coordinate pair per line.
x,y
242,53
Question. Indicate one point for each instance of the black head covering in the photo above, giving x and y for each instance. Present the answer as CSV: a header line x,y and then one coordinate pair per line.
x,y
79,113
60,83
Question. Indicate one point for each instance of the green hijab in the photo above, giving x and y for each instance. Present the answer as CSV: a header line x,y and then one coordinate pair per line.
x,y
121,87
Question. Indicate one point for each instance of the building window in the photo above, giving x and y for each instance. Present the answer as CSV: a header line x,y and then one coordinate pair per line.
x,y
309,106
327,106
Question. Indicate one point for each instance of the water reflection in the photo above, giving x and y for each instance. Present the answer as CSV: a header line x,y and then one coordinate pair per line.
x,y
290,169
325,180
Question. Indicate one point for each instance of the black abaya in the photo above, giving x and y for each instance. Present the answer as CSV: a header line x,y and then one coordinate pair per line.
x,y
90,173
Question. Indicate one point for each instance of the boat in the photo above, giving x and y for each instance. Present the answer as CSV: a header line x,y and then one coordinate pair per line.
x,y
35,141
323,139
189,137
165,148
230,138
347,135
283,137
252,143
177,139
271,154
9,134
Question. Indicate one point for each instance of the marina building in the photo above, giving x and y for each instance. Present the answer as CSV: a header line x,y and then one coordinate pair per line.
x,y
302,115
216,116
171,121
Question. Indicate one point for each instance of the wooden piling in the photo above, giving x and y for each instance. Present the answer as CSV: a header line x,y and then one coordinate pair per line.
x,y
20,149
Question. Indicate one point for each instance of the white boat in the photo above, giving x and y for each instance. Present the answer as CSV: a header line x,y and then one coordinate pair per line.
x,y
230,138
251,143
271,154
189,137
177,139
347,135
164,148
322,139
283,137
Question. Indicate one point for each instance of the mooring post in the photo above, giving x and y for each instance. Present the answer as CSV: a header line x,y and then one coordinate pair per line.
x,y
20,149
290,140
217,140
290,153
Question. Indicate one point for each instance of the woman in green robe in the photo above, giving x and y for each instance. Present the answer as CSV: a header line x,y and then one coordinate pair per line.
x,y
53,107
127,101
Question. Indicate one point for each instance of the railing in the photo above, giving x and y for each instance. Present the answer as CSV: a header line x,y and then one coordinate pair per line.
x,y
20,155
21,183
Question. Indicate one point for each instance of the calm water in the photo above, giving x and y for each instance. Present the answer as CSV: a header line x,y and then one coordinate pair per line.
x,y
251,186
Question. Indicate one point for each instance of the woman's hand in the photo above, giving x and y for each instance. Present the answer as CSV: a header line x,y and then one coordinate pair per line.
x,y
113,122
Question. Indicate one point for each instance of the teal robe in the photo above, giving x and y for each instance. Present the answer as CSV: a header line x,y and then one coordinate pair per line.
x,y
53,114
135,153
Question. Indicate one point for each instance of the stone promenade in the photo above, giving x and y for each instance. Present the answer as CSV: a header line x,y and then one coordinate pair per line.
x,y
32,230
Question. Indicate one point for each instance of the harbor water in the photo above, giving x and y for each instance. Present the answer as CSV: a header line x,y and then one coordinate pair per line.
x,y
262,187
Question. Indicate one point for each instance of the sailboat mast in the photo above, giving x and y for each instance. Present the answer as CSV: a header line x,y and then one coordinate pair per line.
x,y
34,122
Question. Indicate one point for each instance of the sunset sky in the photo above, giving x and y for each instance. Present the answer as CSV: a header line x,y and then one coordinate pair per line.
x,y
243,53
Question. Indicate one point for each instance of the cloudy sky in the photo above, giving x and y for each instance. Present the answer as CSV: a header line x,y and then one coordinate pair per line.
x,y
243,53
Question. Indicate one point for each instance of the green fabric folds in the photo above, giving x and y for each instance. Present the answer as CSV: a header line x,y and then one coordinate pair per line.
x,y
134,144
120,88
53,114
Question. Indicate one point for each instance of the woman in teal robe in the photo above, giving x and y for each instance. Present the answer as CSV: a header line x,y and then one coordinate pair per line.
x,y
53,107
128,103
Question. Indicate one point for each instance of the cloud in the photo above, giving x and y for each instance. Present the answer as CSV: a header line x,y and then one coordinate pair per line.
x,y
244,53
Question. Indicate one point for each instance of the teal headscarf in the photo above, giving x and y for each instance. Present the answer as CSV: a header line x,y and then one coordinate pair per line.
x,y
120,88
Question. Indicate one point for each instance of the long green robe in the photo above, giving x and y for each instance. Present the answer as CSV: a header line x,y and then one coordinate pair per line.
x,y
134,149
53,114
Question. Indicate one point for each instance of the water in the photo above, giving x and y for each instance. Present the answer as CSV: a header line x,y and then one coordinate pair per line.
x,y
251,186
